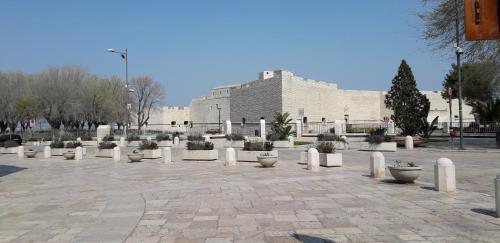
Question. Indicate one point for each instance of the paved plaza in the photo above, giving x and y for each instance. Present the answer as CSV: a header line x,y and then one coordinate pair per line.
x,y
98,200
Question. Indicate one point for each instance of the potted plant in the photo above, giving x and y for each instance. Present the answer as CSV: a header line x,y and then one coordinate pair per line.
x,y
251,150
105,149
30,153
327,155
57,148
164,140
339,142
406,174
150,149
133,140
235,140
69,154
135,156
267,159
9,147
281,130
378,141
200,150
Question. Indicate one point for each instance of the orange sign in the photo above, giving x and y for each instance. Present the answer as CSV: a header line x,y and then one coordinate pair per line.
x,y
482,19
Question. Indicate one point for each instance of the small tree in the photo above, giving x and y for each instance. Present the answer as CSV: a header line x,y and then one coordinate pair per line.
x,y
280,126
409,106
147,95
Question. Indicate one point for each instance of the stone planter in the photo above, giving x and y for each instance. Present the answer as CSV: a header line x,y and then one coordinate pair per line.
x,y
11,150
57,151
30,153
251,156
135,157
69,155
382,147
106,153
151,153
200,154
405,174
267,160
282,144
165,143
330,159
133,143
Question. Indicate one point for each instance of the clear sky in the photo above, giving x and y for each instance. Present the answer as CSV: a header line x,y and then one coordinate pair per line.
x,y
191,46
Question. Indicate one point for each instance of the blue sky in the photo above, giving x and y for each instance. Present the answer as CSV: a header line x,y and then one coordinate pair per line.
x,y
191,46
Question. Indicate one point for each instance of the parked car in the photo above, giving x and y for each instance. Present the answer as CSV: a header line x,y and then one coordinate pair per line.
x,y
11,137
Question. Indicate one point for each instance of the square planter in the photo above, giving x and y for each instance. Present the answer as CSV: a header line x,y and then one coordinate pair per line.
x,y
303,158
200,154
56,151
330,159
382,147
11,150
84,150
282,144
251,156
106,153
152,153
165,143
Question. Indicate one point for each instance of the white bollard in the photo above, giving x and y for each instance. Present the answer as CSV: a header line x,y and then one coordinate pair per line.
x,y
229,129
230,157
246,138
20,152
497,195
99,140
149,139
444,175
167,155
313,160
377,165
46,152
79,153
79,139
291,140
116,154
298,128
206,138
122,142
176,141
263,129
409,142
346,144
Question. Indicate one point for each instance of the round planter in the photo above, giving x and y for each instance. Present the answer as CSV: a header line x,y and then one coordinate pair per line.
x,y
30,153
69,155
267,161
135,157
405,174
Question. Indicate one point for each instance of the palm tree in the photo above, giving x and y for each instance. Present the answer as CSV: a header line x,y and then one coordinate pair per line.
x,y
280,126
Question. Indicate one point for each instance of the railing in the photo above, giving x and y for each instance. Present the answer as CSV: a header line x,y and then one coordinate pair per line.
x,y
474,127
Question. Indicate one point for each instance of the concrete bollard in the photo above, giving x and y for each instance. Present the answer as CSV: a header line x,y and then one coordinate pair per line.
x,y
122,142
167,155
99,140
116,154
20,152
46,152
346,144
230,157
176,141
497,195
298,128
313,160
206,138
291,140
229,129
246,138
149,139
79,139
377,165
79,153
444,175
409,142
263,129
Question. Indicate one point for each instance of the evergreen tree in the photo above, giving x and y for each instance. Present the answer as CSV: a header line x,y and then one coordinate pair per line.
x,y
409,106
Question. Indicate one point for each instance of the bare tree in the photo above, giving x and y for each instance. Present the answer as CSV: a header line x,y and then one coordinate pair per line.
x,y
147,95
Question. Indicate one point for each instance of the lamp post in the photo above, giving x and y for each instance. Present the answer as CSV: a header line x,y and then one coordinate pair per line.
x,y
124,55
459,52
218,108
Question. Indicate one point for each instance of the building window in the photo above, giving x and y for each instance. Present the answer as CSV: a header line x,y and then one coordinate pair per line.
x,y
304,120
323,119
173,123
186,122
243,121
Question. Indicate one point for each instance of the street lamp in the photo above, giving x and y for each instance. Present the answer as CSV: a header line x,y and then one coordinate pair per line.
x,y
218,108
459,51
124,55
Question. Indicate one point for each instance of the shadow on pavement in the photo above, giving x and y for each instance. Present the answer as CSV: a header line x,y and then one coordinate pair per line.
x,y
9,169
487,212
311,239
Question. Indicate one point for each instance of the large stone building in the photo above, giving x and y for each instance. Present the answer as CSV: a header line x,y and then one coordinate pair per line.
x,y
305,99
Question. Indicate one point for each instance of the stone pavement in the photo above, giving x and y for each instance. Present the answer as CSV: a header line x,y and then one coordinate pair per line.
x,y
98,200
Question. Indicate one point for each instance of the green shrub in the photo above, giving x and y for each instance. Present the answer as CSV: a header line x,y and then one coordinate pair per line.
x,y
197,145
73,145
57,144
377,136
162,137
106,145
258,146
195,138
108,138
86,137
298,143
330,137
131,138
235,137
148,145
276,137
10,144
326,147
213,131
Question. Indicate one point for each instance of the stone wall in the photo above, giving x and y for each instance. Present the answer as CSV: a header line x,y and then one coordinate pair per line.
x,y
204,109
